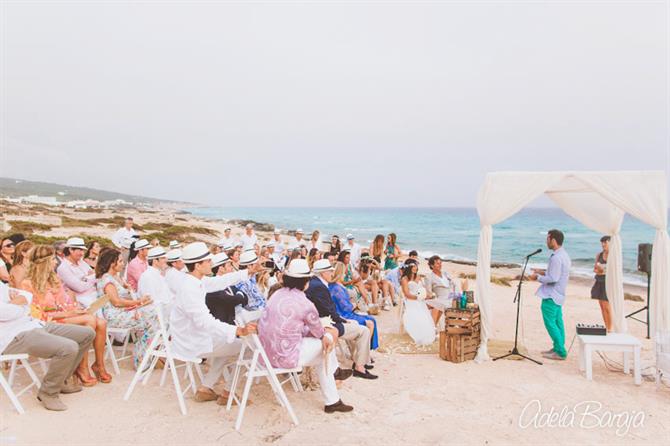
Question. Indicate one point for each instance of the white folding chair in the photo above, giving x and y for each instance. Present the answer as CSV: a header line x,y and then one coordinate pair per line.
x,y
259,366
160,348
7,384
662,357
125,334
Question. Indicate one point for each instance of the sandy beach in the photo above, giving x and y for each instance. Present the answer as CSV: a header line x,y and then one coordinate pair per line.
x,y
418,398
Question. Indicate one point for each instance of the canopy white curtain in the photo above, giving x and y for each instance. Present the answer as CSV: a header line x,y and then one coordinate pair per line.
x,y
598,200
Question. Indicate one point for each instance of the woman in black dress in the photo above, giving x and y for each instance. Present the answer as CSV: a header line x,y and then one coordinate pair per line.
x,y
598,291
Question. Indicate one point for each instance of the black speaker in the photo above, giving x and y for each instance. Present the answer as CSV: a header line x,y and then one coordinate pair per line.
x,y
644,257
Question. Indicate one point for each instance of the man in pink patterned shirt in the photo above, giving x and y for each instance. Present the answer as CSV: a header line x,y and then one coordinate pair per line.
x,y
139,264
76,275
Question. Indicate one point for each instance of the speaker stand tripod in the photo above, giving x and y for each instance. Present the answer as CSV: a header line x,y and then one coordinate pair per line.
x,y
646,307
517,298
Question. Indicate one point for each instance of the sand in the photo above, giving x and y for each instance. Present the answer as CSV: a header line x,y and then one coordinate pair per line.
x,y
418,399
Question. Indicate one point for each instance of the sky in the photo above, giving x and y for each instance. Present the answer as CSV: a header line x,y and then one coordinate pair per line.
x,y
328,103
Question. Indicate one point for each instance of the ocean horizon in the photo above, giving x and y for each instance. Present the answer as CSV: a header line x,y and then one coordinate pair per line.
x,y
452,232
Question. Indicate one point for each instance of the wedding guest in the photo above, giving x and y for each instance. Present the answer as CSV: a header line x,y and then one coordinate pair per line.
x,y
249,239
92,253
21,262
417,318
313,255
598,291
356,335
138,264
64,344
75,274
314,241
346,309
279,247
59,247
123,310
7,249
222,303
123,237
249,262
392,253
377,248
292,335
228,239
175,271
354,249
335,245
153,282
195,332
52,303
552,292
352,279
174,244
441,288
298,241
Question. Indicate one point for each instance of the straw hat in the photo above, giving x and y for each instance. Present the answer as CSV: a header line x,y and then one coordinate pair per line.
x,y
156,253
195,252
321,266
298,268
174,255
299,231
174,244
141,244
219,259
277,231
248,257
75,243
350,236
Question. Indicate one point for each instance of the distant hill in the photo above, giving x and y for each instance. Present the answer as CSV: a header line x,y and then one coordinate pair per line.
x,y
12,187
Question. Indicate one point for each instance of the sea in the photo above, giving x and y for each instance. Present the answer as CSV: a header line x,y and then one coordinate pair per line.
x,y
453,233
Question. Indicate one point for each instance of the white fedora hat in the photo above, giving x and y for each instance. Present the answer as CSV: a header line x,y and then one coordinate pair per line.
x,y
227,229
174,244
141,244
298,268
75,243
277,231
222,243
173,255
350,236
321,266
195,252
299,231
219,259
156,253
248,257
227,247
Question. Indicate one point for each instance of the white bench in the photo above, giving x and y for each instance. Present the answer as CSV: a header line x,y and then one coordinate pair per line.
x,y
616,342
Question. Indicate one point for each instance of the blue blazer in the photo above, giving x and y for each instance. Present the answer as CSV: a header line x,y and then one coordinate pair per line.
x,y
319,294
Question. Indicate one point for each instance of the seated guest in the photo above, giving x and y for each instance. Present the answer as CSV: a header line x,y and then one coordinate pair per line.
x,y
292,335
393,275
92,253
346,309
6,258
21,263
441,288
52,303
174,244
154,284
352,280
59,247
249,239
249,262
365,272
298,241
195,332
313,255
335,245
222,303
75,274
358,336
354,249
314,241
279,247
64,344
123,310
175,271
138,264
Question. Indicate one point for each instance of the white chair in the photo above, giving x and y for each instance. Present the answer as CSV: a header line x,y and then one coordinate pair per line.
x,y
125,334
662,357
160,349
7,383
259,366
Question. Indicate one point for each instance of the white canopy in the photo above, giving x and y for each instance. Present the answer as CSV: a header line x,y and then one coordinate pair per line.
x,y
598,200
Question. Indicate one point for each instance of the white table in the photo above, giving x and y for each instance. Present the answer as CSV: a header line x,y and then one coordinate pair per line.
x,y
617,342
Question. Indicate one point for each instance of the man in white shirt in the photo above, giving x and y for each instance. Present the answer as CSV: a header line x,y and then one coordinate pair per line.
x,y
227,239
195,332
153,283
354,249
174,274
124,236
441,288
298,241
64,344
249,239
75,274
279,246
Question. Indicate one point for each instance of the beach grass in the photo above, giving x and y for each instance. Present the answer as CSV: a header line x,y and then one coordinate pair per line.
x,y
503,281
28,227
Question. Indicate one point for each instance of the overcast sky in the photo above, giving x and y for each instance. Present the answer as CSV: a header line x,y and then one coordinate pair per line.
x,y
330,104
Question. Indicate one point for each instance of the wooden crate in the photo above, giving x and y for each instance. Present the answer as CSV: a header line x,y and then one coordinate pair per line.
x,y
459,348
461,322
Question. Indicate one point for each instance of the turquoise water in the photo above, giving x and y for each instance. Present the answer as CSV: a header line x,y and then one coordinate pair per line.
x,y
453,232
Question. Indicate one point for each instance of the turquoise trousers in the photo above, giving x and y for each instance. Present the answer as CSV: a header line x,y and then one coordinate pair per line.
x,y
553,322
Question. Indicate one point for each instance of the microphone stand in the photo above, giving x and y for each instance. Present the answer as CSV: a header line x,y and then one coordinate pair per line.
x,y
517,299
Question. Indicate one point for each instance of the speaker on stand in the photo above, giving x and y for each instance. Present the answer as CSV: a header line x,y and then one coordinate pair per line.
x,y
644,265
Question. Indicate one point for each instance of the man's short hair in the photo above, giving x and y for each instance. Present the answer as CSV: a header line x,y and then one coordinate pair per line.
x,y
413,253
129,218
433,259
605,238
557,236
190,267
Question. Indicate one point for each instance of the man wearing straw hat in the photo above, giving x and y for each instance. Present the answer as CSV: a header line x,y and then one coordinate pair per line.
x,y
77,275
153,283
139,264
174,273
195,332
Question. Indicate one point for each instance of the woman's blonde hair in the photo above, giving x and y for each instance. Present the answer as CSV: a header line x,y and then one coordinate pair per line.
x,y
315,236
338,274
41,271
262,282
22,251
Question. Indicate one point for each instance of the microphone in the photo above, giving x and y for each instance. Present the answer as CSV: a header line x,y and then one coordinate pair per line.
x,y
534,252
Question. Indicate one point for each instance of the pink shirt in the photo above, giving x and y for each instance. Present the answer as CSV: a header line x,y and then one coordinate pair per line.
x,y
288,317
135,269
80,279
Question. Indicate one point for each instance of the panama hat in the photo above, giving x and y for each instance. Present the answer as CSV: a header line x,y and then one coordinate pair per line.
x,y
321,266
195,252
248,257
227,247
277,231
156,253
350,236
141,244
227,229
75,243
298,268
173,255
174,244
299,231
222,243
219,259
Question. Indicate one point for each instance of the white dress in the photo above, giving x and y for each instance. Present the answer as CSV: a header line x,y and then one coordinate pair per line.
x,y
417,319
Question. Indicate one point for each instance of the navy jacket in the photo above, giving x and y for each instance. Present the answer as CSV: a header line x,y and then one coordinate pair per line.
x,y
319,294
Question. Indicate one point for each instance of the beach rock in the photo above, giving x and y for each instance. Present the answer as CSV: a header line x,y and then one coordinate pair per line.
x,y
258,226
632,297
